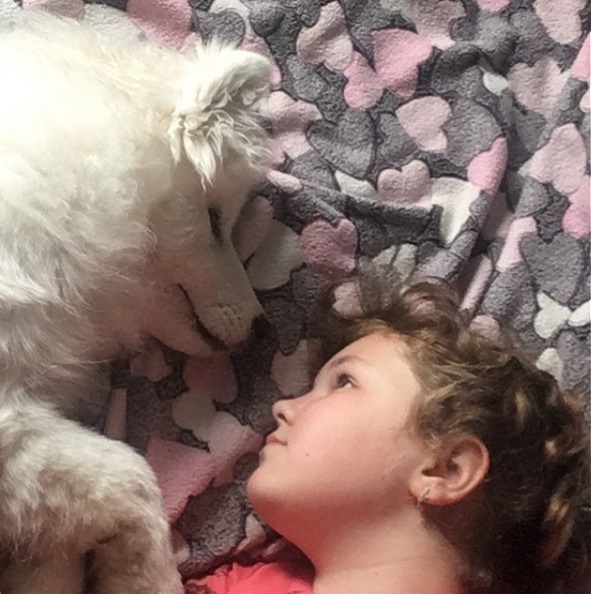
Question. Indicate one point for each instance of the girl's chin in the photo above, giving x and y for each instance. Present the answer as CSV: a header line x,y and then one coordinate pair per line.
x,y
264,492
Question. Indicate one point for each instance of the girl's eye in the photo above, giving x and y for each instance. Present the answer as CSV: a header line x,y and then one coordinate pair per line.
x,y
344,381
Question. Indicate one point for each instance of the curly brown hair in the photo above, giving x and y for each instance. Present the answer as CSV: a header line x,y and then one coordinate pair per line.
x,y
535,533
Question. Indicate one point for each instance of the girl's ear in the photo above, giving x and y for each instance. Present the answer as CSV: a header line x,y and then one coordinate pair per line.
x,y
454,468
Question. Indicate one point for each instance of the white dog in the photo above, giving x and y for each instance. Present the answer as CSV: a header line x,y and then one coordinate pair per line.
x,y
122,171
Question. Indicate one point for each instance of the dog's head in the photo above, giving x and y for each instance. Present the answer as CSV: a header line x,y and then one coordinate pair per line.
x,y
217,132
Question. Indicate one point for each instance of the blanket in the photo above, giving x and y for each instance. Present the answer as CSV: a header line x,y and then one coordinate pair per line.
x,y
441,138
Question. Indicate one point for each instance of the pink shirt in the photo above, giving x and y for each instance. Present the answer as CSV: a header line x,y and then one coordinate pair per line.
x,y
280,577
262,578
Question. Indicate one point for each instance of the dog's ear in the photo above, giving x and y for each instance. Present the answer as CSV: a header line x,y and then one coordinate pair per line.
x,y
217,111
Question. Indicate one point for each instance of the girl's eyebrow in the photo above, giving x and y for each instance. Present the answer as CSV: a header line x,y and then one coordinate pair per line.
x,y
341,359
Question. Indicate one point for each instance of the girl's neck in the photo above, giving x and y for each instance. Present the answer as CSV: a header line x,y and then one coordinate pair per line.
x,y
398,577
383,558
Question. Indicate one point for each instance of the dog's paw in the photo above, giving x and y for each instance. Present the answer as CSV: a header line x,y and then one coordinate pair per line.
x,y
137,557
110,506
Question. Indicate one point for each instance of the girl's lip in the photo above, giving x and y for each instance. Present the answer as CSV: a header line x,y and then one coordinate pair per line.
x,y
273,439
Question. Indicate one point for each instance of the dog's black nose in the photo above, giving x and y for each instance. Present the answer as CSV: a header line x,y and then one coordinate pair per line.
x,y
261,327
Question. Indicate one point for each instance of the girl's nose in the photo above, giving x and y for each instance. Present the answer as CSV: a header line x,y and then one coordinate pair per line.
x,y
281,411
284,411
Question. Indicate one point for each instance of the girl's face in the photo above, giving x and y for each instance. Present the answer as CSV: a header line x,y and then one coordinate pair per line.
x,y
347,446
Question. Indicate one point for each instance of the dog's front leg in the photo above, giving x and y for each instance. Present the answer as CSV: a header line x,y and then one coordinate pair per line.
x,y
66,490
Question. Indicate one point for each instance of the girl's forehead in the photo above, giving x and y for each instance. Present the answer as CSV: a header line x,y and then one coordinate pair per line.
x,y
377,349
378,342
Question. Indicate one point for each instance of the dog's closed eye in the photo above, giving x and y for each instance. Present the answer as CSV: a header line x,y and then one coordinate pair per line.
x,y
214,222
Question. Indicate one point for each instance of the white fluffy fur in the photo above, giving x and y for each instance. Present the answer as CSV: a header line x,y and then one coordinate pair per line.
x,y
111,161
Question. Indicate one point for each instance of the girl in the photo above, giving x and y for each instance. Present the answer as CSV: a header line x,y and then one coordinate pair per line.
x,y
426,459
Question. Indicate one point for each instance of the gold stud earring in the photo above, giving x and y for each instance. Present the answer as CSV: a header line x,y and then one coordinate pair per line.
x,y
423,498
